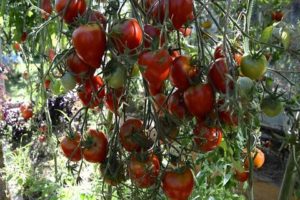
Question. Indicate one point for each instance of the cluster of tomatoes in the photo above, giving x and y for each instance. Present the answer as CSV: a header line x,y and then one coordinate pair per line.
x,y
197,95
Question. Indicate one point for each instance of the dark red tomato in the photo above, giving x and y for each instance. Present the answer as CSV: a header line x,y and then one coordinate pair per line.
x,y
76,66
155,65
112,171
127,34
46,7
152,34
219,52
42,138
43,128
277,16
155,89
186,31
207,138
160,103
96,146
71,147
144,171
241,176
98,17
47,84
24,36
228,118
149,3
90,43
131,135
51,55
26,111
92,92
181,72
180,12
75,8
218,76
112,99
176,105
178,184
199,100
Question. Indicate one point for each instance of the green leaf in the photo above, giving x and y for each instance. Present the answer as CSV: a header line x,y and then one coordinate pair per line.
x,y
285,39
266,34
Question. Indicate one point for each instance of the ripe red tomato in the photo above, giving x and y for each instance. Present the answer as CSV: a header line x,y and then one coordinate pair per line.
x,y
180,12
112,99
241,176
152,35
160,103
26,111
112,171
70,146
46,7
178,184
76,66
199,100
92,92
155,89
207,138
254,67
174,54
144,171
219,53
127,34
176,105
75,8
98,17
186,31
96,146
132,137
17,46
182,72
277,15
155,65
218,76
90,43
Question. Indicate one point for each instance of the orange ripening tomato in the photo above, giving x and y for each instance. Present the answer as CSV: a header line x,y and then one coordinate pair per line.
x,y
258,159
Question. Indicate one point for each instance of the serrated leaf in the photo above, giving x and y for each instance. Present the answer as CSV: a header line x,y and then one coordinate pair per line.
x,y
266,34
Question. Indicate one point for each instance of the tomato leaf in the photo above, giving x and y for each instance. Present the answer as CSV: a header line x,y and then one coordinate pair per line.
x,y
266,34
